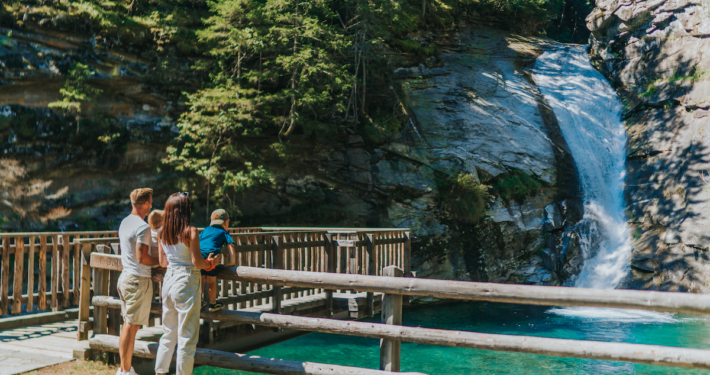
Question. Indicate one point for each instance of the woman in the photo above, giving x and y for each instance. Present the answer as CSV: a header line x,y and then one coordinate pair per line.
x,y
179,251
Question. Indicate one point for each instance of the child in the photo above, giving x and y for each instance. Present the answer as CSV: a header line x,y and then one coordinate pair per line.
x,y
212,239
155,220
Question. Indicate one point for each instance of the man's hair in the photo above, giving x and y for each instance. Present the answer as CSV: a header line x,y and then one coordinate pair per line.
x,y
155,219
140,196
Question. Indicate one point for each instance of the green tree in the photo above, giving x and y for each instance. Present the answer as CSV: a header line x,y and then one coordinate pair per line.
x,y
76,93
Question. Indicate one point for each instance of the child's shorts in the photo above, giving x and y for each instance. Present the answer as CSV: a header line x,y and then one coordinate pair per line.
x,y
213,272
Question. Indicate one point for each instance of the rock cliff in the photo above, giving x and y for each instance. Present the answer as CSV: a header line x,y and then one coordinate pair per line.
x,y
475,110
657,54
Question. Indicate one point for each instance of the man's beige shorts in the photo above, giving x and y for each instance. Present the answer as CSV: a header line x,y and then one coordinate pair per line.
x,y
136,295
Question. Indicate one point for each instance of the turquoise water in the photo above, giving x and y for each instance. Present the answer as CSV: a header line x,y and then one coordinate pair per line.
x,y
576,323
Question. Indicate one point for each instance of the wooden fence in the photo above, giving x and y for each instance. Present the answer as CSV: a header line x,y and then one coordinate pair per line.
x,y
43,269
346,251
39,270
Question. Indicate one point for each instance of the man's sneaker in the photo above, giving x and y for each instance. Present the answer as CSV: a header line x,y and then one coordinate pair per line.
x,y
132,372
216,306
129,372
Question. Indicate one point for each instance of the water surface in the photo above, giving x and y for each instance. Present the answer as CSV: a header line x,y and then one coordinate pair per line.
x,y
569,323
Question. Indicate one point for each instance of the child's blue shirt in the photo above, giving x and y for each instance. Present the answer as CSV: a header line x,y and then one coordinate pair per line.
x,y
212,239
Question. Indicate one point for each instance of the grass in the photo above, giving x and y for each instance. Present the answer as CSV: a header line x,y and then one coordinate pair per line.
x,y
77,368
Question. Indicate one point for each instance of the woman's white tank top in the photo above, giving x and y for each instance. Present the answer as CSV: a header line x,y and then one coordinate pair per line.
x,y
178,255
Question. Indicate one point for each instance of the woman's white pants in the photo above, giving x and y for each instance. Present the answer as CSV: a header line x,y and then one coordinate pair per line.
x,y
181,319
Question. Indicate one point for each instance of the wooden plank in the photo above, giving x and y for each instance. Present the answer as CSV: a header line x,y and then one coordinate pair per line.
x,y
54,274
42,282
31,274
391,350
276,295
101,287
329,266
370,309
65,270
5,280
85,287
19,273
236,361
76,261
479,291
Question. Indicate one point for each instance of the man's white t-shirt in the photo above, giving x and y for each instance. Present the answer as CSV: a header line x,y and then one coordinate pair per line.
x,y
133,230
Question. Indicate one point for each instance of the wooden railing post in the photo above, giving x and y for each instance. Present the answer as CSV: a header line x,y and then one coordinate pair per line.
x,y
65,271
329,267
370,309
19,272
54,275
31,275
279,265
42,282
407,261
85,297
391,350
5,282
113,323
100,289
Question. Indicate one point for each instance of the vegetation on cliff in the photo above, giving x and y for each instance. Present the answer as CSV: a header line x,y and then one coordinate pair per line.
x,y
271,73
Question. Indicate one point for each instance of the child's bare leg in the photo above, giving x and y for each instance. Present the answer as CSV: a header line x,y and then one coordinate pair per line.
x,y
212,282
204,286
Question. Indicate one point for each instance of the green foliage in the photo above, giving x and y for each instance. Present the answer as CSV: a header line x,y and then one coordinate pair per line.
x,y
516,185
567,20
76,91
463,198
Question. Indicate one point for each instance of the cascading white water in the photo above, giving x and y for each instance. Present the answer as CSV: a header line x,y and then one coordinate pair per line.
x,y
589,116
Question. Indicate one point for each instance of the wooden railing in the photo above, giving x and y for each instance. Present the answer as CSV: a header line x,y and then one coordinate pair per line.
x,y
347,251
392,333
44,271
38,270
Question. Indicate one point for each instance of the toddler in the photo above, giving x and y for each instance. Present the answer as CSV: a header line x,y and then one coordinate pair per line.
x,y
212,239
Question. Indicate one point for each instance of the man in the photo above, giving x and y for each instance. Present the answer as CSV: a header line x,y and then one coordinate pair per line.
x,y
135,286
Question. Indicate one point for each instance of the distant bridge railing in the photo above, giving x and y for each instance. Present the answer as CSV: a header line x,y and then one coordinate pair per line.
x,y
38,270
392,333
44,267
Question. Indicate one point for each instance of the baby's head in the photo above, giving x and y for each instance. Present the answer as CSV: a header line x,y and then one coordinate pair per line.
x,y
155,219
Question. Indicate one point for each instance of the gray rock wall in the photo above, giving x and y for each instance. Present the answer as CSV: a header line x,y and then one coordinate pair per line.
x,y
657,54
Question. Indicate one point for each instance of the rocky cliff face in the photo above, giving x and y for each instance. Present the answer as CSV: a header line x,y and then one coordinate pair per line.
x,y
475,110
657,54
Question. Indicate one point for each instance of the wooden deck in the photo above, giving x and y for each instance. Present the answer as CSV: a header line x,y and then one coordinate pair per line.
x,y
56,343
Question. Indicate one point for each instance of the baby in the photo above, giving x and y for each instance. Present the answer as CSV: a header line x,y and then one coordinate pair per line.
x,y
155,220
212,239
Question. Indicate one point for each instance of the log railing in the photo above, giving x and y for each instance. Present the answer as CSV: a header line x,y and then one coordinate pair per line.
x,y
392,333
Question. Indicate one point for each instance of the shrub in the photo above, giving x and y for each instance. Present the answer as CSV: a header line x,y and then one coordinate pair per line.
x,y
463,198
516,184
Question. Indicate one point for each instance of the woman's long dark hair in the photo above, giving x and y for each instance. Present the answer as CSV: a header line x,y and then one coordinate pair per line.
x,y
176,224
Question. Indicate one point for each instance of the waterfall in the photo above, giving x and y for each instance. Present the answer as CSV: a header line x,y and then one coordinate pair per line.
x,y
589,116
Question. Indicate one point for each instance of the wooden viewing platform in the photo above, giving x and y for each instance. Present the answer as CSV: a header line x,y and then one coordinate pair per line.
x,y
289,282
342,250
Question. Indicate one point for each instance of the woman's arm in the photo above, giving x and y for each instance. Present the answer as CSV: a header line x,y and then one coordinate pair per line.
x,y
197,259
162,259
